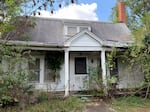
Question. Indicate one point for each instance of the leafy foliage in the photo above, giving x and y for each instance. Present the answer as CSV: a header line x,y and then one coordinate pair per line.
x,y
54,59
96,84
138,10
139,22
54,62
114,14
43,96
13,75
139,52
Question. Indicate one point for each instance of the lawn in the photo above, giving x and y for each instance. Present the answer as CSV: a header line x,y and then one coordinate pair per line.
x,y
71,104
75,104
131,104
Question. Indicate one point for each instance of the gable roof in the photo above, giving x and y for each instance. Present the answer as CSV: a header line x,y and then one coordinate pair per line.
x,y
51,31
69,40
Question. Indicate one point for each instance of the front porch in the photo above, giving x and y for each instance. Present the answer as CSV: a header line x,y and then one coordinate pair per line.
x,y
72,74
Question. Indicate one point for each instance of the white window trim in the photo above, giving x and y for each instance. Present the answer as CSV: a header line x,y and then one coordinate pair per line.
x,y
78,29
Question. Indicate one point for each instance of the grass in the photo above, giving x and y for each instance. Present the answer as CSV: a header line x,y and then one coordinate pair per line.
x,y
71,104
131,104
74,104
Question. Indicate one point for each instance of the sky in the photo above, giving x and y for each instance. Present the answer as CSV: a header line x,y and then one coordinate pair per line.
x,y
104,8
84,9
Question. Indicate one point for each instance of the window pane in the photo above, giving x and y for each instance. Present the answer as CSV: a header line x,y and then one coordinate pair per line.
x,y
83,28
80,65
72,30
34,69
49,75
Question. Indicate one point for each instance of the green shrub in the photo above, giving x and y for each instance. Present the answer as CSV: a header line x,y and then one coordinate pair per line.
x,y
7,101
43,96
14,78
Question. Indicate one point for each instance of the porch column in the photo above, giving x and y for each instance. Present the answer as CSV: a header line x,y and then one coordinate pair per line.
x,y
66,73
41,70
103,65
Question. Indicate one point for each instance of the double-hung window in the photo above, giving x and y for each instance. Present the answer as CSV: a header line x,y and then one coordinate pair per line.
x,y
34,69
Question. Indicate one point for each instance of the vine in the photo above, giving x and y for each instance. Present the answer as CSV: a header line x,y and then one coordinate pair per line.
x,y
54,61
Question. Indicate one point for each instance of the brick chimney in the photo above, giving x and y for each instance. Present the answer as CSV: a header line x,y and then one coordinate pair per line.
x,y
121,12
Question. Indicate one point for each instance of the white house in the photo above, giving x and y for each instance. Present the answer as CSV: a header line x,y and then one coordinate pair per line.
x,y
82,44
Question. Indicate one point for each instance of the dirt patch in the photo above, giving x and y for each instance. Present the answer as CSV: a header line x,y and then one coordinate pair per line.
x,y
98,107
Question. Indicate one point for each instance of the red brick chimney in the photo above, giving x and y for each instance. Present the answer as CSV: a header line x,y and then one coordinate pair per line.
x,y
121,12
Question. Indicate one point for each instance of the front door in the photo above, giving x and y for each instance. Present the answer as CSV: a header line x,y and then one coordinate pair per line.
x,y
78,73
80,63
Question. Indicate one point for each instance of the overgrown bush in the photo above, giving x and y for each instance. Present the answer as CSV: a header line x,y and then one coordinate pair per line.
x,y
95,81
139,55
96,84
14,77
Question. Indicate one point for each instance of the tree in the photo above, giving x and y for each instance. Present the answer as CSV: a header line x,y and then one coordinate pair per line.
x,y
139,23
14,78
9,25
139,9
10,9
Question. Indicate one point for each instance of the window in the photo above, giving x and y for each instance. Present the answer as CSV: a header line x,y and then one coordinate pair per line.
x,y
50,75
80,65
114,70
34,69
72,30
83,28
